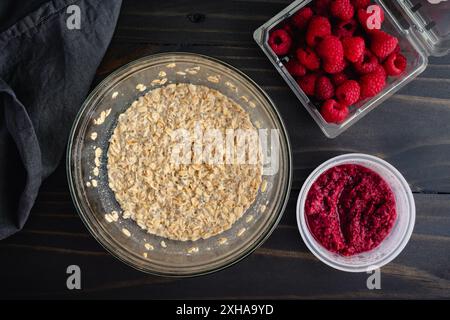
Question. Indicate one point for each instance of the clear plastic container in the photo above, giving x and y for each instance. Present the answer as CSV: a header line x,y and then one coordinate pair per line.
x,y
423,29
397,239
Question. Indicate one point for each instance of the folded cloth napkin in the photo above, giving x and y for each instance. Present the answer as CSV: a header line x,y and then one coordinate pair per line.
x,y
48,60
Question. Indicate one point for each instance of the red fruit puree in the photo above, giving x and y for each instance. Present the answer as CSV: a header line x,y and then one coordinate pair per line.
x,y
350,209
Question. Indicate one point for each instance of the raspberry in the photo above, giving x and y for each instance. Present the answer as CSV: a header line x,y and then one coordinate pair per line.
x,y
332,54
366,64
380,70
288,28
395,64
324,88
333,112
330,49
342,9
372,84
361,4
318,28
397,49
354,48
295,68
308,83
333,67
348,92
339,78
367,17
308,58
301,18
280,41
321,7
345,28
382,44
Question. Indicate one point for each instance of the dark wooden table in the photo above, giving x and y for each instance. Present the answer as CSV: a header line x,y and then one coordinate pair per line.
x,y
411,130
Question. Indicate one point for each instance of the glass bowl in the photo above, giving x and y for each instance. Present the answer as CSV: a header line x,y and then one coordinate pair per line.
x,y
409,42
392,245
95,201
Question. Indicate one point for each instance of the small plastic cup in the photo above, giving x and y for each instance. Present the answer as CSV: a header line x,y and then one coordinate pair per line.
x,y
392,245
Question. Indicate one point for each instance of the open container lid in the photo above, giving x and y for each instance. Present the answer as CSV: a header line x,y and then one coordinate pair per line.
x,y
429,20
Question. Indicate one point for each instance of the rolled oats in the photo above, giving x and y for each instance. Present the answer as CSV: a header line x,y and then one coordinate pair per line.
x,y
141,87
179,201
213,79
102,117
264,186
148,246
126,232
193,250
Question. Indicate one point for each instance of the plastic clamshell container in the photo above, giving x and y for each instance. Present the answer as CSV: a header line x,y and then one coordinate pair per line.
x,y
422,27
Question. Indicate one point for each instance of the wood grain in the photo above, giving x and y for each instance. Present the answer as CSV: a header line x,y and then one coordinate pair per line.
x,y
411,130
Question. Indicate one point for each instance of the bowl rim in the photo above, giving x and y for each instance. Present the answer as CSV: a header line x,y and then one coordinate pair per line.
x,y
308,238
101,239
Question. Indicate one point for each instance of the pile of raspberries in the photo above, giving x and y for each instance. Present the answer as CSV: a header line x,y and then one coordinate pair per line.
x,y
336,55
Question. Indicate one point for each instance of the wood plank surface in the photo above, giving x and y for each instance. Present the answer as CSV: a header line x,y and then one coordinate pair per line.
x,y
411,130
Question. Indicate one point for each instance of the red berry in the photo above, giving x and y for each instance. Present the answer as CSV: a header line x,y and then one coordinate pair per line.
x,y
348,92
342,9
358,4
321,7
333,67
330,49
324,88
371,17
345,28
380,70
333,112
280,41
397,49
308,83
318,28
308,58
301,18
295,68
367,63
339,78
288,28
354,48
372,84
382,43
395,64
